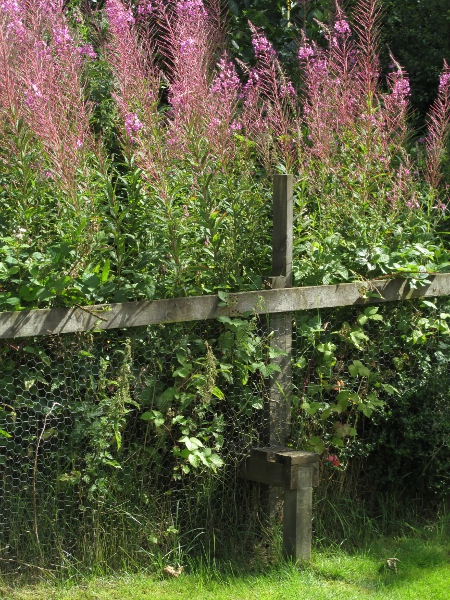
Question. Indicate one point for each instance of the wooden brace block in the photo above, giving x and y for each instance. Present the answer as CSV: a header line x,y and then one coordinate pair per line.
x,y
280,467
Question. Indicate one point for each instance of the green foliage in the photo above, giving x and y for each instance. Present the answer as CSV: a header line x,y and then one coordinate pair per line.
x,y
175,408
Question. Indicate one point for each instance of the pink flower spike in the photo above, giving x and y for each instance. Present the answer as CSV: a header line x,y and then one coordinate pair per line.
x,y
305,52
444,81
262,46
132,125
88,51
342,27
191,8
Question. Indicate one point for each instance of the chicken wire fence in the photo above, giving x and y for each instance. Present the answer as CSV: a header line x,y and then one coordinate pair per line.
x,y
122,446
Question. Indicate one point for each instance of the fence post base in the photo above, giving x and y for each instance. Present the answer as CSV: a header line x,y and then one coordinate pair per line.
x,y
297,472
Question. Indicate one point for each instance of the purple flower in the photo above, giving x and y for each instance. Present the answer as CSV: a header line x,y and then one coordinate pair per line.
x,y
132,125
227,81
14,12
253,81
118,17
401,89
287,90
262,46
62,36
305,52
187,46
32,96
145,8
342,27
88,51
412,204
191,8
320,66
444,82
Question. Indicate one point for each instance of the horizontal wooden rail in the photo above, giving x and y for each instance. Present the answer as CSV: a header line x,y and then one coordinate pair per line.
x,y
55,321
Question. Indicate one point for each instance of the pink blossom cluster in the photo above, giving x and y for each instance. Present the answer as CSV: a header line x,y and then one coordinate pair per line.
x,y
145,8
61,36
33,96
334,460
342,27
187,46
401,89
227,81
87,50
12,9
305,52
132,125
438,129
287,89
191,8
444,81
253,82
14,13
118,16
262,46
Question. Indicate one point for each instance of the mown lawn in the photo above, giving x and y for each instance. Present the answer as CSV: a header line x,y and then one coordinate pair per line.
x,y
423,573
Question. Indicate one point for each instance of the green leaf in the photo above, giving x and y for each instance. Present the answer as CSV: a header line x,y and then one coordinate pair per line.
x,y
194,459
429,304
155,416
216,460
183,371
223,296
217,393
105,271
390,389
316,444
191,444
325,414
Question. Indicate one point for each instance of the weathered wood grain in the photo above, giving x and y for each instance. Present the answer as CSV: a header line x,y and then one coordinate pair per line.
x,y
277,402
199,308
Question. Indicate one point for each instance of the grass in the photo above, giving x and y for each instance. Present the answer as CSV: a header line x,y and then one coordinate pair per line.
x,y
423,573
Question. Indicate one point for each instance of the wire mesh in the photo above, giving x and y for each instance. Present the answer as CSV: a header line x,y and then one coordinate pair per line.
x,y
93,471
370,391
112,442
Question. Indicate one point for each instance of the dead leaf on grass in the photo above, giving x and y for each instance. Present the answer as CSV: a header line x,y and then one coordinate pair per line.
x,y
172,571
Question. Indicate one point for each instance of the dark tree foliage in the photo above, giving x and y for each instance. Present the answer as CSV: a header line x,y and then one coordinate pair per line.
x,y
417,32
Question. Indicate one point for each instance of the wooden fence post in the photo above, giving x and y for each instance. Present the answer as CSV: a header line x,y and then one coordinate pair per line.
x,y
296,473
278,402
